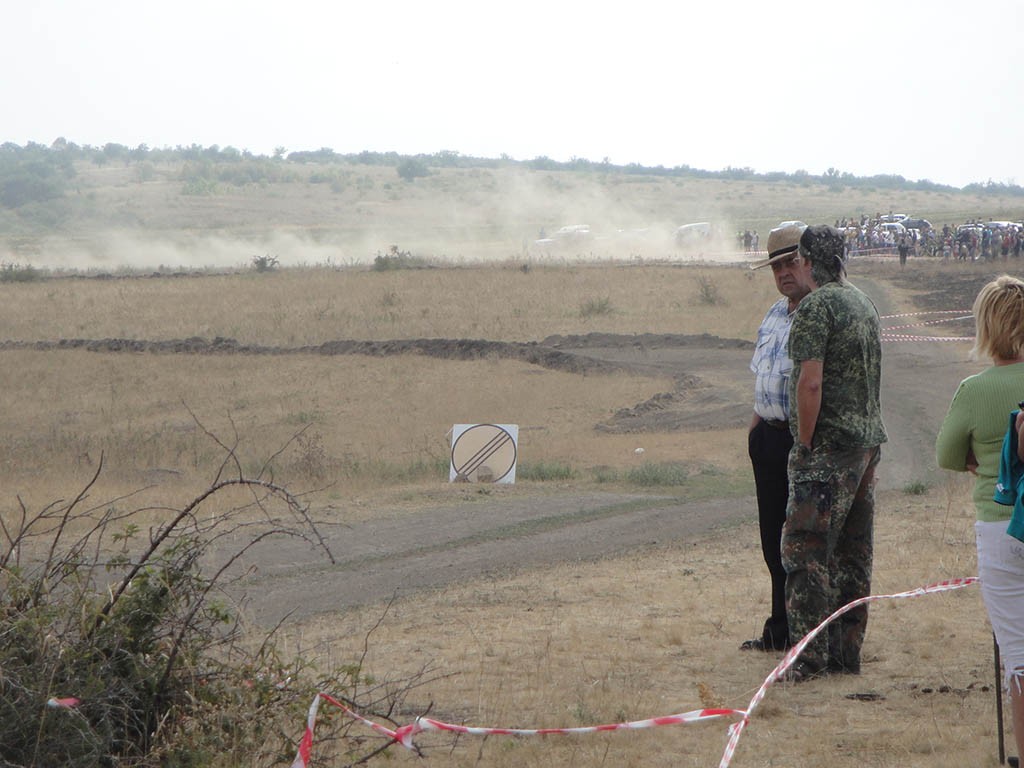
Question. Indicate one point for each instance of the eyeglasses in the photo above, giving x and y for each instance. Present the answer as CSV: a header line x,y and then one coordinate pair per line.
x,y
790,261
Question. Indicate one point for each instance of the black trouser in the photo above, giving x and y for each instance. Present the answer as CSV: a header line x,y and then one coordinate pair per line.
x,y
769,448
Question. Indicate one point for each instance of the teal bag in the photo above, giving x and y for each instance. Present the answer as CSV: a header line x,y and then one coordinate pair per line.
x,y
1010,483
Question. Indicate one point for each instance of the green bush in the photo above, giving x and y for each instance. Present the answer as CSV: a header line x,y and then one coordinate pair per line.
x,y
15,273
396,259
265,263
412,168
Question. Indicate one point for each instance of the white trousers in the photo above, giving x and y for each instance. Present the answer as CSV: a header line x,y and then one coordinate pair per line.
x,y
1001,570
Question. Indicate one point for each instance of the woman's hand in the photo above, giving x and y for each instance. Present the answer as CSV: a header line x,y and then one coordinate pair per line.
x,y
1020,434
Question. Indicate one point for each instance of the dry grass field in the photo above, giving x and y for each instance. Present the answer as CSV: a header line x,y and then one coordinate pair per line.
x,y
364,416
571,640
571,643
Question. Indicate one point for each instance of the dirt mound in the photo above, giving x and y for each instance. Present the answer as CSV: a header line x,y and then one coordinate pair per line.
x,y
648,341
446,349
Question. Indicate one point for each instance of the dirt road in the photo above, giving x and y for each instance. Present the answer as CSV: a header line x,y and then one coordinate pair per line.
x,y
478,535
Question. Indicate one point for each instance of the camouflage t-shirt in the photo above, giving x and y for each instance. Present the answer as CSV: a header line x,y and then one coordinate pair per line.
x,y
838,325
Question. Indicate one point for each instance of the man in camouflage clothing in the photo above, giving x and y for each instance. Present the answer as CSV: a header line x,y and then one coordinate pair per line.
x,y
837,428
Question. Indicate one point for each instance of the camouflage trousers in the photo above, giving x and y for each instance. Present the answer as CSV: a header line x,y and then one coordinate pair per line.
x,y
827,549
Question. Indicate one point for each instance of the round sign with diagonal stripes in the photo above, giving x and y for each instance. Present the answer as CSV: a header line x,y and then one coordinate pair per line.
x,y
484,453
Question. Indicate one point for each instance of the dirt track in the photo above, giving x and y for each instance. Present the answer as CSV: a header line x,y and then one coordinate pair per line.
x,y
477,535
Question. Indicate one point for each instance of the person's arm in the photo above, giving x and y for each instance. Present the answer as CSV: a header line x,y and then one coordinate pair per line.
x,y
953,445
808,399
754,422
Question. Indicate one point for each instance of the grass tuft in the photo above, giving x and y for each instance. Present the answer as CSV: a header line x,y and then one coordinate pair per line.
x,y
600,307
916,488
707,291
542,471
657,475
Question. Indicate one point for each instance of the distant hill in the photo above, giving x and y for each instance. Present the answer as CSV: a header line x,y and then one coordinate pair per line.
x,y
66,203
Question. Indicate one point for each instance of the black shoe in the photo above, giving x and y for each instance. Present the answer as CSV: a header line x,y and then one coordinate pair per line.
x,y
843,668
803,671
759,644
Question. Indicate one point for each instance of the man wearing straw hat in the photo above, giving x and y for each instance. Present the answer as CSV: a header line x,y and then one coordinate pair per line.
x,y
769,440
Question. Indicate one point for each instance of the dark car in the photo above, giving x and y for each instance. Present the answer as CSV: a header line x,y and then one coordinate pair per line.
x,y
922,224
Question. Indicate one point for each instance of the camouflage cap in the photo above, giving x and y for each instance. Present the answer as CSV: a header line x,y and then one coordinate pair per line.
x,y
822,244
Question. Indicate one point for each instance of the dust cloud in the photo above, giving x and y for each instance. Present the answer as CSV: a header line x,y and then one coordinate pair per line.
x,y
450,217
135,251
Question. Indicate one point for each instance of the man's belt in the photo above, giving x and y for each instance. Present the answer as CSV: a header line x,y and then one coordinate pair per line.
x,y
776,424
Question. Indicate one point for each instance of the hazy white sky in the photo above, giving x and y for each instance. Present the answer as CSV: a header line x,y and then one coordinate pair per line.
x,y
929,89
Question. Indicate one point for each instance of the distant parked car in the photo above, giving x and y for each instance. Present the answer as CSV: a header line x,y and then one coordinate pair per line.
x,y
963,229
893,226
920,224
892,217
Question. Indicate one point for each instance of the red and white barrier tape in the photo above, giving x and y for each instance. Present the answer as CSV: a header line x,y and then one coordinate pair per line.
x,y
928,322
909,337
928,312
68,702
960,314
736,729
404,734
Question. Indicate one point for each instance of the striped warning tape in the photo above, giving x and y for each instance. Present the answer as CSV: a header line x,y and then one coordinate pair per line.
x,y
958,314
404,734
910,337
736,729
929,312
929,322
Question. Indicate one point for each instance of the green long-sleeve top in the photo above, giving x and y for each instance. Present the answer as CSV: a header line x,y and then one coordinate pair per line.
x,y
977,421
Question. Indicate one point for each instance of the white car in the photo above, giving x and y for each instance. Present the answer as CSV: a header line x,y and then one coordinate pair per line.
x,y
572,232
893,226
692,233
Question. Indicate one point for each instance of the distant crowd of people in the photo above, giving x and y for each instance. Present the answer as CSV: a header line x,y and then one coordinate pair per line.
x,y
748,240
971,241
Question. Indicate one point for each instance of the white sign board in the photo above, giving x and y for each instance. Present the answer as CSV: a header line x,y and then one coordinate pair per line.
x,y
484,453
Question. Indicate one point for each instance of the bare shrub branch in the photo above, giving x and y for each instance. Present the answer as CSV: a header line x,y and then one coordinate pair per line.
x,y
153,653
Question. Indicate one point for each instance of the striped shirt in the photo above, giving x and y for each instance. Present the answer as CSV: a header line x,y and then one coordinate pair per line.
x,y
771,364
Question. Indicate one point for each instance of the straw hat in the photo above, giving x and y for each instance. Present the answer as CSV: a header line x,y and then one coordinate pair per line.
x,y
782,242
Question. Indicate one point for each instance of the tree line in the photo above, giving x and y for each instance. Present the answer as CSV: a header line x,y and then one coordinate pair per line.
x,y
38,173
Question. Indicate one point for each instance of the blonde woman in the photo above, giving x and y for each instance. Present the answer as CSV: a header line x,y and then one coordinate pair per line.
x,y
971,440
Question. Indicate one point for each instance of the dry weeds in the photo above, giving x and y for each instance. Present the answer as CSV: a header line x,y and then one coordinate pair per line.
x,y
581,643
657,633
311,306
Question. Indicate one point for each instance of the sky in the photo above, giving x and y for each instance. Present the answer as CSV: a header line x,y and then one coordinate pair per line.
x,y
925,90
